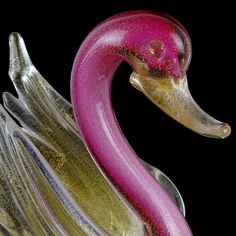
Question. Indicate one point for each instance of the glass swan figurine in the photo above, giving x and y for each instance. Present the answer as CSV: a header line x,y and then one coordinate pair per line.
x,y
60,178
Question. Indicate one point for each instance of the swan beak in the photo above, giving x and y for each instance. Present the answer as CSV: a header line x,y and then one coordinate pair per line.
x,y
173,97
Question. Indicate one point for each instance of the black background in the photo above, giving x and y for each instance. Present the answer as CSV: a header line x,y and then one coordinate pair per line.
x,y
202,168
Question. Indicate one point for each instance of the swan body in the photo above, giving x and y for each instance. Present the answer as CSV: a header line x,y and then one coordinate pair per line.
x,y
60,178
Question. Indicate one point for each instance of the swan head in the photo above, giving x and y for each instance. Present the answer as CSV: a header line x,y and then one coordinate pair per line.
x,y
160,52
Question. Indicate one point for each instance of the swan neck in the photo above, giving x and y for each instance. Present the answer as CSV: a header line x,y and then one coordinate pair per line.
x,y
93,70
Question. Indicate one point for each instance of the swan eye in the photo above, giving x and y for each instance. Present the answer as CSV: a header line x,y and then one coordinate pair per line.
x,y
157,48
